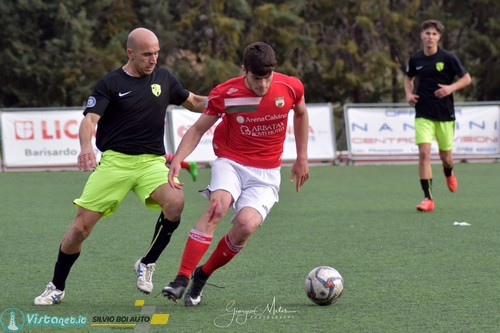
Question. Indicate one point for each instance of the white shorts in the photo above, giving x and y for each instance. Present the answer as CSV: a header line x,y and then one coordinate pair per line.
x,y
249,186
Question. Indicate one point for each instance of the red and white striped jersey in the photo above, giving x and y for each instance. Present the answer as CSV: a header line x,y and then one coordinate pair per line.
x,y
253,128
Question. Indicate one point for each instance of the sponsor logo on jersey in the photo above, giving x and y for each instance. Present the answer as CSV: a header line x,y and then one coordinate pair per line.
x,y
231,91
124,93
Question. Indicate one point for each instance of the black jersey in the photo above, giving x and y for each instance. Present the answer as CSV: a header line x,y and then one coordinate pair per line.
x,y
132,110
439,68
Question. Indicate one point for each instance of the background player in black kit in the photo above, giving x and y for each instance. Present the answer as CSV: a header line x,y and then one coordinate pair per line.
x,y
436,70
128,107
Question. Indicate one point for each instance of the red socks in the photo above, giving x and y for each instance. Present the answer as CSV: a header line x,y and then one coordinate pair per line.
x,y
223,254
196,246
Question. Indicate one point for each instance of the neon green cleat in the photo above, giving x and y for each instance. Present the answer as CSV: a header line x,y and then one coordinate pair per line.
x,y
193,170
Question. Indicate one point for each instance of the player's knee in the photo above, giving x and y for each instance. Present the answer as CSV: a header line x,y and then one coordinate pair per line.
x,y
246,225
173,209
448,163
244,231
173,212
176,202
425,155
78,233
447,160
241,232
216,210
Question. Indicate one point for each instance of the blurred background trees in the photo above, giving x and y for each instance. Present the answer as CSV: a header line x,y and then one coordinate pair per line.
x,y
53,52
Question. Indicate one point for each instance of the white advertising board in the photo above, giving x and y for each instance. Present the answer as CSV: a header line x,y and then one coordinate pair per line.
x,y
389,131
40,139
48,139
321,138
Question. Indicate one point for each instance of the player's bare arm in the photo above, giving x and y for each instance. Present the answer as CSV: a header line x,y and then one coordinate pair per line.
x,y
300,168
188,143
86,158
411,98
195,103
445,90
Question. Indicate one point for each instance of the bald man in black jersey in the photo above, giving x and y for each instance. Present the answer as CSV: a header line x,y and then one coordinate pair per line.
x,y
128,107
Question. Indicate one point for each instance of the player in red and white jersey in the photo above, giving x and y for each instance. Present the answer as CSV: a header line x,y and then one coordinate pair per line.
x,y
253,127
248,143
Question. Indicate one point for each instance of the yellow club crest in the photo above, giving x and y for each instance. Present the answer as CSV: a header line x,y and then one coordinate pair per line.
x,y
439,66
156,89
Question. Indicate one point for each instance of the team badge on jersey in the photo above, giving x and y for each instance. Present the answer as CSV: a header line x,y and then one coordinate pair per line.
x,y
156,89
439,66
280,102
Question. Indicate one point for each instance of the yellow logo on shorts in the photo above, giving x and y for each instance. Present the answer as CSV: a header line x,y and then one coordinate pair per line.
x,y
439,66
156,89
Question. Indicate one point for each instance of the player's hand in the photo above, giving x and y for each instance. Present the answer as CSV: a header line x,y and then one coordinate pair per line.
x,y
86,159
412,99
443,91
173,172
300,173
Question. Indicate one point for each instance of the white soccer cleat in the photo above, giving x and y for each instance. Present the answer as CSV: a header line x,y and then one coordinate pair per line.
x,y
144,276
50,296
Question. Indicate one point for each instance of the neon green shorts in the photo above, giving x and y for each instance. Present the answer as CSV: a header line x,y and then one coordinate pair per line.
x,y
116,175
426,130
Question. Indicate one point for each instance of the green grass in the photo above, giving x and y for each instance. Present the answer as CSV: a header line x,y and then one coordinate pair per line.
x,y
404,271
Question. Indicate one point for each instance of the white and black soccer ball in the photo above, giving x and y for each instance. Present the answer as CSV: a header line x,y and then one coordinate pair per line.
x,y
324,285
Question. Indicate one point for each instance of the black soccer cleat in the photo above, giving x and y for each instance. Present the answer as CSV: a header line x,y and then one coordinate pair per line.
x,y
175,289
195,291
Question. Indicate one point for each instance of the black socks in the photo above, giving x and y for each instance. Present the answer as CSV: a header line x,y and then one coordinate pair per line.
x,y
427,187
161,237
447,171
63,266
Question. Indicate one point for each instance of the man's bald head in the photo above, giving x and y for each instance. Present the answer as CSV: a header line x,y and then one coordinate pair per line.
x,y
141,36
142,51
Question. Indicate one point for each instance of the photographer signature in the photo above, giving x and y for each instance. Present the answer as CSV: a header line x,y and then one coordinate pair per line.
x,y
240,316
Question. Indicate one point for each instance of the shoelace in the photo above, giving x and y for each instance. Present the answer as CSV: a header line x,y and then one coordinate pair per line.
x,y
214,285
149,272
48,290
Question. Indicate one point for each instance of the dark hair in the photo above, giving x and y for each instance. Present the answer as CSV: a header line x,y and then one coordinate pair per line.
x,y
259,59
433,24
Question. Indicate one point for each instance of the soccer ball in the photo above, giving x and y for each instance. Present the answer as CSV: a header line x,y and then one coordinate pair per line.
x,y
324,285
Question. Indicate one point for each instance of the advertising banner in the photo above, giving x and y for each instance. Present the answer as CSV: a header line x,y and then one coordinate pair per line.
x,y
40,139
389,131
48,139
321,138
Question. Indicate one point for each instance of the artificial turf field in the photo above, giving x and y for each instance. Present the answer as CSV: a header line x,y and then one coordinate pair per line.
x,y
404,271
